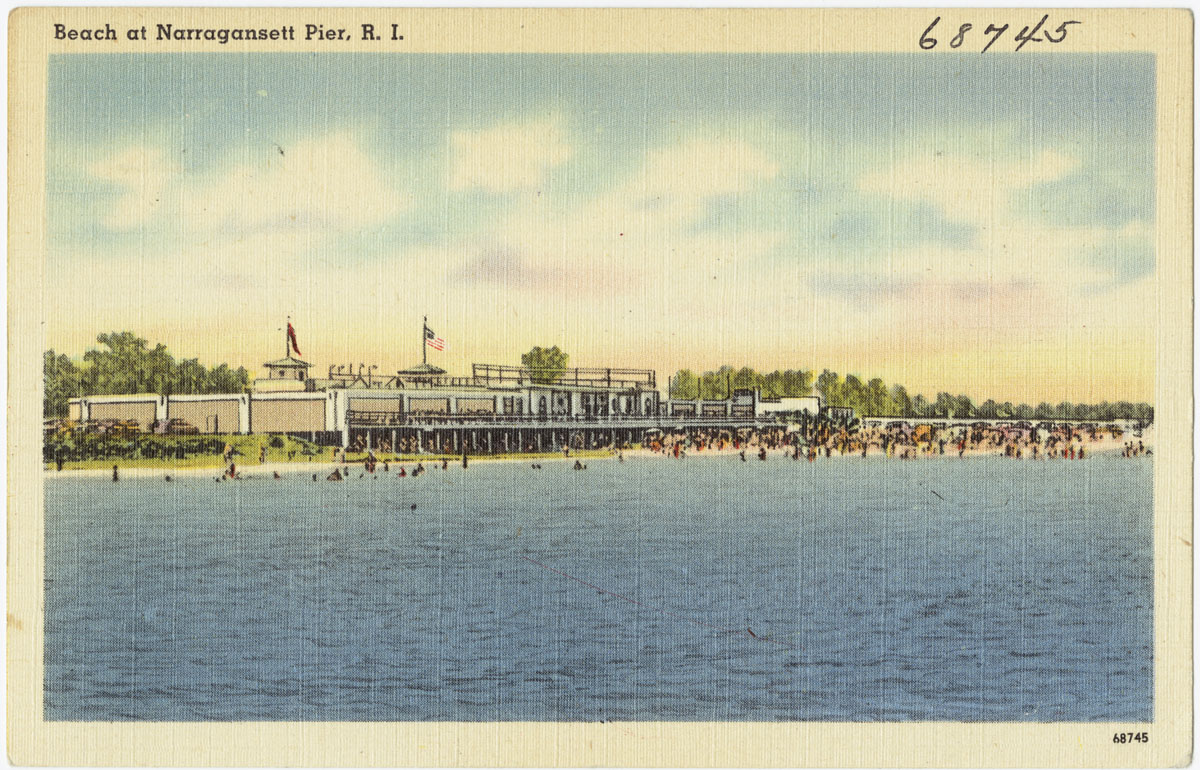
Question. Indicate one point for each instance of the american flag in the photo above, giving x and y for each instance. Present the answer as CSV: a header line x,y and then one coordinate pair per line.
x,y
434,341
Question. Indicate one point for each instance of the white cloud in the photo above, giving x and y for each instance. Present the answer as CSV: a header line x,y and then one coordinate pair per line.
x,y
144,174
644,231
508,157
968,189
319,182
327,181
1007,247
702,168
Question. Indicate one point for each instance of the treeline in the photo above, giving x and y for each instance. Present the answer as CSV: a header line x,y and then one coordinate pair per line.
x,y
875,398
127,364
716,385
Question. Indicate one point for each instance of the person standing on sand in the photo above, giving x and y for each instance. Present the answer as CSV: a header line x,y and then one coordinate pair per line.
x,y
115,476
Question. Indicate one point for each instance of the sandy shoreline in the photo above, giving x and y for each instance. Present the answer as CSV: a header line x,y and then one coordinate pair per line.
x,y
268,470
322,468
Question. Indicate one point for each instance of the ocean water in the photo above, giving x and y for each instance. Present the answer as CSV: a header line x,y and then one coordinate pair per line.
x,y
707,589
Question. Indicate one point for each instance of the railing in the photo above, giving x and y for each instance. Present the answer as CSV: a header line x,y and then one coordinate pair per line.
x,y
497,374
438,381
397,382
360,418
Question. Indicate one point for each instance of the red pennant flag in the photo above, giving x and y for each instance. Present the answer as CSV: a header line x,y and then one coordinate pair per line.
x,y
292,338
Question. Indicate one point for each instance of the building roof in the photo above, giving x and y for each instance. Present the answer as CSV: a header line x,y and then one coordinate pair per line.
x,y
421,370
289,363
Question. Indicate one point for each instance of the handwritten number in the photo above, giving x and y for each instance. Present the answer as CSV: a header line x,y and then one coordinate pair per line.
x,y
957,40
1026,38
1062,32
926,41
990,29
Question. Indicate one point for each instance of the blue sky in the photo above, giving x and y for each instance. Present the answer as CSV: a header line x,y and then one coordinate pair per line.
x,y
982,222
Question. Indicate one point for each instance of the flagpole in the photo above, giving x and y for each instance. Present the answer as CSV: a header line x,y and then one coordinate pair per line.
x,y
287,349
424,326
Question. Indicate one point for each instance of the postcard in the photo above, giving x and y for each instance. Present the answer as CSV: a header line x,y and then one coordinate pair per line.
x,y
734,388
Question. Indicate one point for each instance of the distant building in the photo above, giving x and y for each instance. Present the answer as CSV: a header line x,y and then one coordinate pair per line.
x,y
286,374
497,408
810,405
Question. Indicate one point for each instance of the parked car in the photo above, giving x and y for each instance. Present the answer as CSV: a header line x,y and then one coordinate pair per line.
x,y
178,426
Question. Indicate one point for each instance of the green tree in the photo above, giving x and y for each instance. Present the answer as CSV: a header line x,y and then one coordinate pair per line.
x,y
62,382
745,378
879,401
545,364
685,384
772,384
125,363
854,393
903,404
119,369
716,385
829,385
798,383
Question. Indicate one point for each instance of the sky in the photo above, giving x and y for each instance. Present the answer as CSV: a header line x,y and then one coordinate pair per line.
x,y
977,224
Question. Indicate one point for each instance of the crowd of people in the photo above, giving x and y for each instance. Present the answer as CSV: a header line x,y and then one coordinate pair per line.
x,y
898,439
904,441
